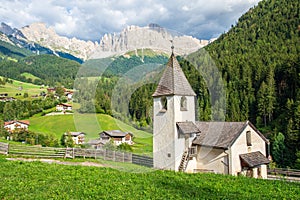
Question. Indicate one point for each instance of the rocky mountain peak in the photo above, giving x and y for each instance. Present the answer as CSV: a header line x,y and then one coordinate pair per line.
x,y
9,31
152,36
46,36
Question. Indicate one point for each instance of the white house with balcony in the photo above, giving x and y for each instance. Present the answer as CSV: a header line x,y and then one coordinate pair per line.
x,y
78,137
117,136
63,107
11,126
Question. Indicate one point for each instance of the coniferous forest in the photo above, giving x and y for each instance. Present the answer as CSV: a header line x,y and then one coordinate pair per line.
x,y
259,61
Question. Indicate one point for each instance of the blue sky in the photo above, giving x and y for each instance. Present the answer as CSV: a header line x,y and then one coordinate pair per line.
x,y
91,19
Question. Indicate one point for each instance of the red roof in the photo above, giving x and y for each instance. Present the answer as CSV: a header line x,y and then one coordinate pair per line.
x,y
15,121
65,104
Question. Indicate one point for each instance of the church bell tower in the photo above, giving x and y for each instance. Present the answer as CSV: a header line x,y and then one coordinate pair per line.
x,y
173,103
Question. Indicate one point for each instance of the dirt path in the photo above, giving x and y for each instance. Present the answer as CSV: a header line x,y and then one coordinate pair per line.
x,y
50,161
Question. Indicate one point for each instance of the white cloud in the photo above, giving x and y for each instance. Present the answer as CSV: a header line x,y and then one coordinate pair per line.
x,y
90,19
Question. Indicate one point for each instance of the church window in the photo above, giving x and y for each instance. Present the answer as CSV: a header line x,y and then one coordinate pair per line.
x,y
248,138
183,104
164,103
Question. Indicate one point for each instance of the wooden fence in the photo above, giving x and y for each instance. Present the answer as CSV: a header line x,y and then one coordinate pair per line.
x,y
51,152
3,148
284,172
142,160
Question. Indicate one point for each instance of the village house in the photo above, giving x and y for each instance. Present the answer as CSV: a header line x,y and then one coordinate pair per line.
x,y
63,107
97,143
7,99
69,95
117,136
15,125
51,90
181,143
78,137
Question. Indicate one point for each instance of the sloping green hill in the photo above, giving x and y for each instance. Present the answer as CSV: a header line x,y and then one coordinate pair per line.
x,y
92,125
9,50
49,69
124,63
17,87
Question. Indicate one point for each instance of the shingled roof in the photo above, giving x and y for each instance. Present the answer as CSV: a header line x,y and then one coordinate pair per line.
x,y
115,133
253,159
187,127
173,81
221,134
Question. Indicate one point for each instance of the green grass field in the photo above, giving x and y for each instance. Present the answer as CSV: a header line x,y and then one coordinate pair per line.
x,y
31,76
92,125
14,88
36,180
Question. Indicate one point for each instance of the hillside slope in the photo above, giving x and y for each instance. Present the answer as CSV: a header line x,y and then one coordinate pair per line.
x,y
260,65
49,68
92,125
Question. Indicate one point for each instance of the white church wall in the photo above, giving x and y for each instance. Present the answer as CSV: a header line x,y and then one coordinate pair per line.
x,y
212,159
182,116
240,147
163,137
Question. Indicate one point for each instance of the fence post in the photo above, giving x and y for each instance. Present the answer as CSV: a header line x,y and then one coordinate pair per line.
x,y
7,149
73,153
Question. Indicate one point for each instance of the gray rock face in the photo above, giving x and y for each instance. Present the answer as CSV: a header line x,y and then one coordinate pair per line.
x,y
151,36
47,37
131,38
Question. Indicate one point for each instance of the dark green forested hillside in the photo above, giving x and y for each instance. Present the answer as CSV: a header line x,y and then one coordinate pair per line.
x,y
8,50
50,69
258,60
123,64
260,63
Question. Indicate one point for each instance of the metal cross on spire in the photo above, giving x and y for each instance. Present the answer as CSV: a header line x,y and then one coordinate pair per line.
x,y
172,47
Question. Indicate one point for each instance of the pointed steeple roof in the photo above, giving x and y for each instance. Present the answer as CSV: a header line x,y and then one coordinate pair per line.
x,y
173,81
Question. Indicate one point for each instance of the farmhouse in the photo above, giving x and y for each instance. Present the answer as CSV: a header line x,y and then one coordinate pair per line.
x,y
63,107
98,143
78,137
117,136
181,143
69,95
15,125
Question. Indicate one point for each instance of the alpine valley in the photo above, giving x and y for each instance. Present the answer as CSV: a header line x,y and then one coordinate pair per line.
x,y
258,59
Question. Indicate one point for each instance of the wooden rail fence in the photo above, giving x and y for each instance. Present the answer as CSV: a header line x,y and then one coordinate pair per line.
x,y
284,172
51,152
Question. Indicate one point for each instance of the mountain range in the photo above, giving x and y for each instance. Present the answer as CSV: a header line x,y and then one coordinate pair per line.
x,y
40,39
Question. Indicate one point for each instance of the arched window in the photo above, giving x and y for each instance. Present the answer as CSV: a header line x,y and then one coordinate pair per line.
x,y
183,104
248,138
164,103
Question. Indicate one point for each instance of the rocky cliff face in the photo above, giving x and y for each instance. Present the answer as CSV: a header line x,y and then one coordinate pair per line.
x,y
47,37
39,38
151,36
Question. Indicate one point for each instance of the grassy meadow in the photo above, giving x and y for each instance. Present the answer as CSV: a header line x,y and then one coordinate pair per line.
x,y
92,125
36,180
15,88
